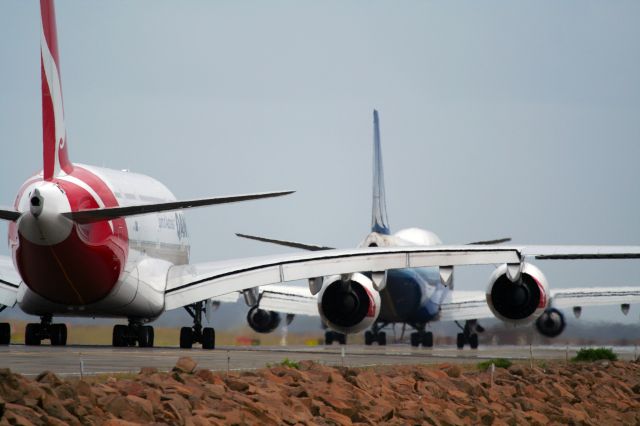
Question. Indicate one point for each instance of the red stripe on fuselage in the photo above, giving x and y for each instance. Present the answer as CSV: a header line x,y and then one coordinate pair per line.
x,y
86,266
543,294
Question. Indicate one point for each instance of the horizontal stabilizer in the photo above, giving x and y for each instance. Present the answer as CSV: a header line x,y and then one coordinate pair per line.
x,y
490,242
8,214
293,244
96,215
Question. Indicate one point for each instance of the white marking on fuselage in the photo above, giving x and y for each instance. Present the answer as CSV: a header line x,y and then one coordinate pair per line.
x,y
53,80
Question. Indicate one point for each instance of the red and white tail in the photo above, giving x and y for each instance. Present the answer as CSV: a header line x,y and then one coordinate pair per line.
x,y
55,155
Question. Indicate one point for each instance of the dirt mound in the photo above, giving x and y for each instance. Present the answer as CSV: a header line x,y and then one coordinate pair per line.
x,y
590,394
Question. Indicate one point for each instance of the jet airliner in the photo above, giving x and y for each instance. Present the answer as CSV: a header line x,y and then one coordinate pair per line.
x,y
420,296
88,241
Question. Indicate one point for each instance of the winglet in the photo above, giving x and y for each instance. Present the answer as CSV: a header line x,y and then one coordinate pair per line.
x,y
54,136
379,220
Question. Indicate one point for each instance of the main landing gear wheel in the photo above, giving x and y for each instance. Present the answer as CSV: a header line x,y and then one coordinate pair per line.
x,y
421,337
197,334
375,336
132,334
35,333
5,333
469,334
58,334
334,336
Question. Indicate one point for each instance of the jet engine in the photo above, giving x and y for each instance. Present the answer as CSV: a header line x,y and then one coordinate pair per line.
x,y
551,323
263,321
521,301
348,304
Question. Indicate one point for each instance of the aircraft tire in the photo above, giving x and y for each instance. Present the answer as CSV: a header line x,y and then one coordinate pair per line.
x,y
473,341
341,338
382,338
427,339
208,338
58,334
328,337
415,339
186,337
368,338
119,338
32,334
460,341
145,336
5,333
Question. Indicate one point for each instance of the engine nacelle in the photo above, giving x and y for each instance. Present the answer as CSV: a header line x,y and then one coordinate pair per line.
x,y
262,321
551,323
348,306
519,302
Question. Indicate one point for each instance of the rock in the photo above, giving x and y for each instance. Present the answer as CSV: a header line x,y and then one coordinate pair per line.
x,y
237,385
20,414
516,370
185,364
10,386
146,371
206,375
53,407
130,408
65,391
453,371
119,422
337,418
49,378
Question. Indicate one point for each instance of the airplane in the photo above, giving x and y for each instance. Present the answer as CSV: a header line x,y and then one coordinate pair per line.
x,y
88,241
420,296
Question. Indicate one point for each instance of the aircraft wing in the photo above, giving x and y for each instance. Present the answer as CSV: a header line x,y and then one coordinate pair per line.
x,y
288,299
187,284
594,296
9,282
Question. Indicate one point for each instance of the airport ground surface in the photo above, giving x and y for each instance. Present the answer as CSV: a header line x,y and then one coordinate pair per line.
x,y
70,360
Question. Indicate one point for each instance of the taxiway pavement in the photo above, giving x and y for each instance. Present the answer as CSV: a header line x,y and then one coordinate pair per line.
x,y
77,360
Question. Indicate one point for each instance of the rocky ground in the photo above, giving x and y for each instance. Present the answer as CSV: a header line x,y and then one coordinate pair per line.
x,y
591,394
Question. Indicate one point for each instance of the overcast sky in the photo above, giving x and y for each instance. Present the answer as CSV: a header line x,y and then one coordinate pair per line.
x,y
516,119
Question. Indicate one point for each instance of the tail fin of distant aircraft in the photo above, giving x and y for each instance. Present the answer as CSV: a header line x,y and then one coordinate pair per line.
x,y
379,220
55,154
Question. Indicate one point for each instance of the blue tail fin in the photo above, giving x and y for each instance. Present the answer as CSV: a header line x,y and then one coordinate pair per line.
x,y
379,221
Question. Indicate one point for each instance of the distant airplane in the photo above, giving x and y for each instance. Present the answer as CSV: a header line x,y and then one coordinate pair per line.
x,y
517,293
91,242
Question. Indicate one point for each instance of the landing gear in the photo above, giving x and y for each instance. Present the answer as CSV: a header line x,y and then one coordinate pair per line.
x,y
197,334
331,336
469,334
132,334
421,337
5,333
35,333
5,330
375,335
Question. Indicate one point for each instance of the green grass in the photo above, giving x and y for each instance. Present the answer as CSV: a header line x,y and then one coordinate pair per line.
x,y
498,362
595,354
290,364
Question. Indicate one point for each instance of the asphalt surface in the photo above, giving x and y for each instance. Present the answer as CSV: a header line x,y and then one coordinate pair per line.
x,y
87,360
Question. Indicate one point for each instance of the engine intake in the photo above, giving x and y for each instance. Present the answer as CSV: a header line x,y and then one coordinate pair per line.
x,y
551,323
521,301
262,321
348,306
